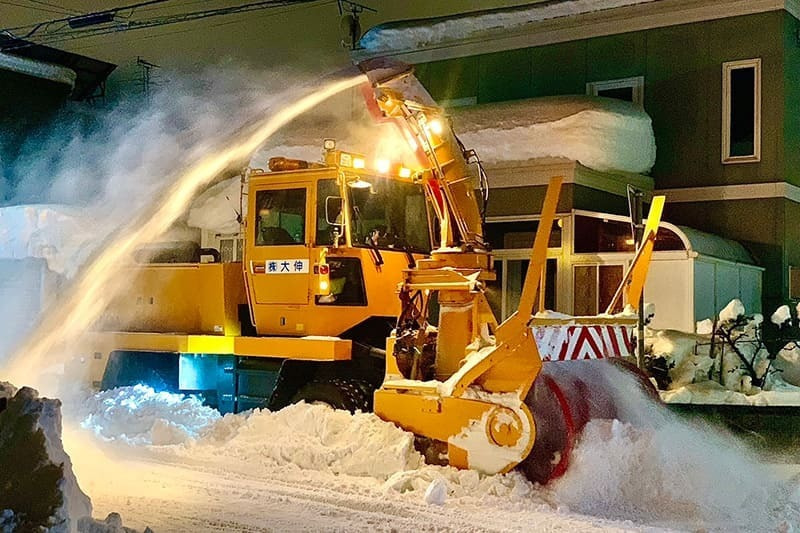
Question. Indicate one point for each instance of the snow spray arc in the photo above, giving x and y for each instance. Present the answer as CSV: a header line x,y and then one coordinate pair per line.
x,y
89,294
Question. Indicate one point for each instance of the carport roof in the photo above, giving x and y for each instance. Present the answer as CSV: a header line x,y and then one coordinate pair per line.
x,y
91,73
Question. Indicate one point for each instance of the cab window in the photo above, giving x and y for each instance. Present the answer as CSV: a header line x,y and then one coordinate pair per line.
x,y
389,214
280,217
328,223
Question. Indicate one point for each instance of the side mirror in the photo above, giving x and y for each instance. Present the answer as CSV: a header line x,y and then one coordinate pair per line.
x,y
333,210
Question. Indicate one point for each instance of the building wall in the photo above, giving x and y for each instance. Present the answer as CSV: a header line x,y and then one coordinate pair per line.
x,y
791,75
682,67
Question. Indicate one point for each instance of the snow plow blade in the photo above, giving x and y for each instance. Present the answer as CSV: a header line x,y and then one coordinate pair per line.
x,y
566,396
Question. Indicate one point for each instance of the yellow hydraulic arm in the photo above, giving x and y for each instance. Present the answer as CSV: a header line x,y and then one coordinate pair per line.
x,y
633,282
479,411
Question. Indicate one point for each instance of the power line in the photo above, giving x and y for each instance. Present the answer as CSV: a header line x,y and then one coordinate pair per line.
x,y
61,30
44,10
55,6
74,19
277,12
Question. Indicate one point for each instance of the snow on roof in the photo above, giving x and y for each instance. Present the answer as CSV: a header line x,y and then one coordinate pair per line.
x,y
600,133
420,33
711,245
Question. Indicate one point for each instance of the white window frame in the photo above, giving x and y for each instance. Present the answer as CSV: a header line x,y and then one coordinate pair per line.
x,y
636,83
727,68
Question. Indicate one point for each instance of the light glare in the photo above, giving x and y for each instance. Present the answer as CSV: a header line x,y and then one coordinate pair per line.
x,y
382,165
435,126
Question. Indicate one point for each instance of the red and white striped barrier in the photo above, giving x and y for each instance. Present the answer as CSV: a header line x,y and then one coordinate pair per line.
x,y
569,342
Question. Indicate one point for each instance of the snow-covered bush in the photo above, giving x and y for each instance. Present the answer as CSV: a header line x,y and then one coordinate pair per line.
x,y
728,350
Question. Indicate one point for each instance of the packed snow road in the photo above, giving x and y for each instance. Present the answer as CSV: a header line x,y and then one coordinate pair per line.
x,y
216,497
171,464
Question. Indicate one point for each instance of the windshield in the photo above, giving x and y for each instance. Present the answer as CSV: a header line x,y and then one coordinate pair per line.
x,y
389,214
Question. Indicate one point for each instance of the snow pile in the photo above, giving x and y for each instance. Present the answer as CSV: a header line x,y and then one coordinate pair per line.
x,y
39,486
732,311
139,415
781,315
725,362
600,133
308,437
314,437
658,469
111,524
787,362
663,475
56,233
419,34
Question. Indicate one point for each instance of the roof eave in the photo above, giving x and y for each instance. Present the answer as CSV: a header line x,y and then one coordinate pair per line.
x,y
636,17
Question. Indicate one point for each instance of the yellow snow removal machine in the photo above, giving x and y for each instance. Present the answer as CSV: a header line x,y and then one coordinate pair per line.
x,y
308,310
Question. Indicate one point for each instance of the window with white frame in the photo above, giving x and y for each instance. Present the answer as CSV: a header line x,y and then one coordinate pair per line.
x,y
741,111
628,89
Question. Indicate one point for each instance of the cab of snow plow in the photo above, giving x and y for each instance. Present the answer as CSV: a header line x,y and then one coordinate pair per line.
x,y
325,246
312,299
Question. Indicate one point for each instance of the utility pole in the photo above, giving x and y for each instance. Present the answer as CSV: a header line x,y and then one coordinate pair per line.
x,y
145,75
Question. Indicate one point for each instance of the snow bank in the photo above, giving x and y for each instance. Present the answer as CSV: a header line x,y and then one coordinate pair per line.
x,y
419,34
309,437
603,134
712,393
40,488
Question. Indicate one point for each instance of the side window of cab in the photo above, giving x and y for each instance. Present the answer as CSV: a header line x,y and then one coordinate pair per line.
x,y
280,217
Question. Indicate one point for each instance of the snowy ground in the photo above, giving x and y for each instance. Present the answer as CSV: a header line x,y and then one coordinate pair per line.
x,y
309,468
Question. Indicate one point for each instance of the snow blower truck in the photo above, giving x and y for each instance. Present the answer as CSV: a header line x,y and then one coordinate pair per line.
x,y
307,312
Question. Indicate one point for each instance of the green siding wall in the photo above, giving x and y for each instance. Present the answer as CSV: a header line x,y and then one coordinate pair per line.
x,y
791,75
616,56
498,82
558,69
450,79
682,66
